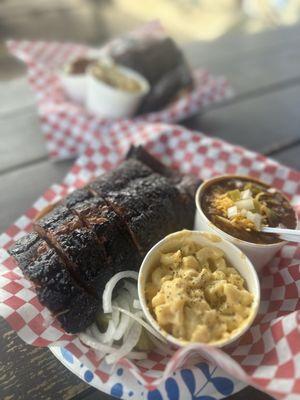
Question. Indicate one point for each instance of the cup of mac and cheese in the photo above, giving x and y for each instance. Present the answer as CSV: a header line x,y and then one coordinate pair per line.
x,y
196,287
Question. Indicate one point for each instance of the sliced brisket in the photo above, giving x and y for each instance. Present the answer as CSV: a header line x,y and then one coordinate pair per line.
x,y
140,154
88,259
151,208
112,231
163,64
24,250
54,285
78,245
101,229
75,197
120,177
185,184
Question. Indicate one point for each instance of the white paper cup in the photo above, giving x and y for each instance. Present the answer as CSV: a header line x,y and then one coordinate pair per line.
x,y
236,258
259,254
106,101
74,86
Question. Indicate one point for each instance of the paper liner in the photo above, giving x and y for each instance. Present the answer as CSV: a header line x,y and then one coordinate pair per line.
x,y
267,356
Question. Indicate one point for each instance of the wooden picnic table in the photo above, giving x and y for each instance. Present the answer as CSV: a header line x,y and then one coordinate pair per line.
x,y
264,116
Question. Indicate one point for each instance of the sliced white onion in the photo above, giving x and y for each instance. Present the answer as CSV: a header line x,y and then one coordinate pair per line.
x,y
246,194
105,337
124,325
145,324
137,304
95,344
90,341
232,212
247,204
124,319
257,220
129,343
132,289
109,287
115,316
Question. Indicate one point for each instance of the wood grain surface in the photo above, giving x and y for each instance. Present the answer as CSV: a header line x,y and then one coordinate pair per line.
x,y
257,122
40,378
264,116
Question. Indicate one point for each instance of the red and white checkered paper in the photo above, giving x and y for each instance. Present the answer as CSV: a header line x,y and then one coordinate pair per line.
x,y
67,126
267,356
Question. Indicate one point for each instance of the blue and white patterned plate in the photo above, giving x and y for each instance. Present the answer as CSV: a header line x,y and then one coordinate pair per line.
x,y
182,385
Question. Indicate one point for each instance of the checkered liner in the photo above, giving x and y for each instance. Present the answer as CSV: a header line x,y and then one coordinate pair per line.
x,y
267,356
67,127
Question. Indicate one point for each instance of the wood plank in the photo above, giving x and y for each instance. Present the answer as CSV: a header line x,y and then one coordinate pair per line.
x,y
18,96
20,188
256,123
49,21
10,67
290,156
243,43
250,393
92,394
28,372
14,8
20,126
250,62
21,139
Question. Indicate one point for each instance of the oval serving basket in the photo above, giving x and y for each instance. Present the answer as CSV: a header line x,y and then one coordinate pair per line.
x,y
264,356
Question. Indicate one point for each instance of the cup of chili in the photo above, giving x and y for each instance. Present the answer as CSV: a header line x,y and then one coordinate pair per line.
x,y
236,207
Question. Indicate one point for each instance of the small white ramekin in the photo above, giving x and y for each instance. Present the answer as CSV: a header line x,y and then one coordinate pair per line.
x,y
236,258
259,254
106,101
74,86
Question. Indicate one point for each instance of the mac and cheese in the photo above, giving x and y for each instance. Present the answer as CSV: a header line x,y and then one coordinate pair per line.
x,y
195,295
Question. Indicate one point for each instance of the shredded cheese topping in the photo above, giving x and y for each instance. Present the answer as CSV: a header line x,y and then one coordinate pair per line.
x,y
241,209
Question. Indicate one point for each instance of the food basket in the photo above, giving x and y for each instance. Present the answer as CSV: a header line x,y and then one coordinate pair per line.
x,y
68,127
267,356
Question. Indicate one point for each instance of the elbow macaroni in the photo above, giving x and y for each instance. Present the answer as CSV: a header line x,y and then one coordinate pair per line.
x,y
195,295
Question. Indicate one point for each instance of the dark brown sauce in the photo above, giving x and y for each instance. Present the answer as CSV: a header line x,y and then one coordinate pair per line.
x,y
79,66
283,213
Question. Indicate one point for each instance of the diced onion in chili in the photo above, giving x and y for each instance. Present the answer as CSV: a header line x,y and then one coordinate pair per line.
x,y
246,194
246,204
232,211
255,218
